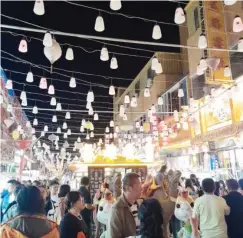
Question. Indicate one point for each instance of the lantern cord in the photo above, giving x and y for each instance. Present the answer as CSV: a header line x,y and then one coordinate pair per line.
x,y
83,36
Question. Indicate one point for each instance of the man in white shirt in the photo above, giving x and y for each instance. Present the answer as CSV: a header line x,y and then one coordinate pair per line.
x,y
210,210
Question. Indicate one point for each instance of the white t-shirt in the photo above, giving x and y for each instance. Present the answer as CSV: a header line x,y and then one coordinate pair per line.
x,y
210,210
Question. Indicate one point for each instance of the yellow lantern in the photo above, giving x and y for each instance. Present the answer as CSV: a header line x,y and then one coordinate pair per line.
x,y
15,135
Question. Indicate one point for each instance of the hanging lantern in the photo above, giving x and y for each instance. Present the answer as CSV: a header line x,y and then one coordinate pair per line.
x,y
28,124
39,8
69,132
35,122
240,45
82,129
87,136
154,63
159,69
88,105
53,101
83,122
104,54
9,84
126,99
115,135
90,96
45,128
125,117
68,115
156,32
237,24
180,93
203,64
146,92
229,2
92,134
72,83
24,103
53,53
65,135
42,134
117,130
79,140
107,129
91,111
115,5
160,101
202,42
35,110
69,54
213,62
99,24
47,41
59,106
114,63
23,47
112,91
30,77
121,110
111,123
179,16
64,125
199,70
43,83
227,71
134,101
51,90
153,108
54,118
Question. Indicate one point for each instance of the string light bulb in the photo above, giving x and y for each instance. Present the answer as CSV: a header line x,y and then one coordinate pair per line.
x,y
111,123
202,42
179,16
88,105
114,63
104,54
180,93
30,77
199,70
65,135
79,140
112,91
154,63
126,99
68,116
69,132
53,101
64,125
28,124
23,47
83,122
91,111
87,136
47,40
203,64
54,118
45,128
39,7
124,117
156,35
92,134
160,101
107,129
134,101
43,83
51,90
72,83
141,129
117,129
121,110
24,103
35,122
90,96
159,69
99,24
115,5
237,24
81,128
69,54
42,134
35,110
59,106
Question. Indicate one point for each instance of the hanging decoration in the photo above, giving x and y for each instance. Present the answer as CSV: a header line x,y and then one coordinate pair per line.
x,y
156,32
180,93
30,77
99,24
35,122
65,135
47,40
24,103
82,129
159,69
45,128
68,116
104,54
115,5
111,123
35,110
126,99
202,42
53,101
9,108
64,125
117,129
96,117
69,54
114,63
237,24
23,47
69,132
146,92
28,124
203,64
90,96
39,8
72,83
107,129
91,112
59,106
54,118
199,70
51,90
121,110
112,91
53,53
43,83
229,2
124,117
160,101
88,105
134,101
9,84
179,16
154,63
79,140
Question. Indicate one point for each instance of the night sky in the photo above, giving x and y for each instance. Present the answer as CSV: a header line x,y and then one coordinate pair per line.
x,y
68,18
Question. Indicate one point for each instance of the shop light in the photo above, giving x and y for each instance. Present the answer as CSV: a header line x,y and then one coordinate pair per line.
x,y
203,64
69,132
91,111
9,84
23,47
59,107
53,101
54,118
180,93
96,117
124,117
159,68
92,134
112,91
107,129
134,101
35,110
153,108
104,54
114,63
111,123
99,24
45,128
90,96
82,129
68,115
64,126
23,95
146,92
117,129
154,63
30,77
65,135
35,122
72,83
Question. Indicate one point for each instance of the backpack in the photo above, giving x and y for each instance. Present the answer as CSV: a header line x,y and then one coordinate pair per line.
x,y
6,231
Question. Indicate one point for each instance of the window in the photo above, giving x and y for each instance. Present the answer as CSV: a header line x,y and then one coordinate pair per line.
x,y
196,18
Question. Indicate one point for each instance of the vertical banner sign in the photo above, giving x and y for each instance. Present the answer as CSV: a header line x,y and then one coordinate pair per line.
x,y
217,38
96,178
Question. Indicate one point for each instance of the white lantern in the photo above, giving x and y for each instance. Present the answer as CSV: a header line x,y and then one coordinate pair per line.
x,y
240,45
45,128
35,110
30,77
202,42
90,96
65,135
92,134
83,122
24,103
203,64
134,101
99,24
43,83
39,8
88,105
156,32
199,70
96,117
53,101
35,122
117,130
47,41
91,111
28,124
153,108
107,129
115,5
112,91
69,132
179,16
114,63
72,83
51,90
121,110
82,129
79,140
104,54
160,101
54,52
111,123
125,117
154,63
87,136
159,69
146,92
68,115
64,125
229,2
237,24
178,125
59,106
180,93
54,118
126,99
115,135
59,130
23,47
69,54
9,84
227,71
42,133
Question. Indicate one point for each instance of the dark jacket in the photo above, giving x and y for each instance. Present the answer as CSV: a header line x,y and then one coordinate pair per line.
x,y
234,220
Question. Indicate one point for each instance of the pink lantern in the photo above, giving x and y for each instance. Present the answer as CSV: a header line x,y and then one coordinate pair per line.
x,y
23,48
43,83
237,24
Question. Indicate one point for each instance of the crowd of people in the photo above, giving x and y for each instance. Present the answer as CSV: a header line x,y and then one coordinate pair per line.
x,y
48,209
